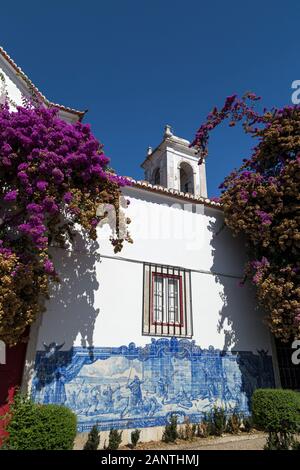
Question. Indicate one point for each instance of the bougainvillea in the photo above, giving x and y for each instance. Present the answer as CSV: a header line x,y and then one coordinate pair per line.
x,y
261,201
53,175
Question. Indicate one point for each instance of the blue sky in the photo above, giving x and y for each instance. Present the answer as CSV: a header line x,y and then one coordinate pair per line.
x,y
140,64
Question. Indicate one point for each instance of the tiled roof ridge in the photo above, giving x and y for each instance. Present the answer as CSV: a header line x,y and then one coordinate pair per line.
x,y
174,192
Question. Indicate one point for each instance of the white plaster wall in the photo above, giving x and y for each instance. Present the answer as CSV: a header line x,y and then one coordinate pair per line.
x,y
13,88
226,315
104,307
99,302
165,230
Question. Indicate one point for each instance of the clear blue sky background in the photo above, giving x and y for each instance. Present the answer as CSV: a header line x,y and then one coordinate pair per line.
x,y
139,64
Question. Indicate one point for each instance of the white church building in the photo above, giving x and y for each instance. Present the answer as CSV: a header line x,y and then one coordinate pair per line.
x,y
163,326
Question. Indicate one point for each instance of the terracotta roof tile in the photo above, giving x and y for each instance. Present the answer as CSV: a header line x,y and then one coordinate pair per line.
x,y
174,193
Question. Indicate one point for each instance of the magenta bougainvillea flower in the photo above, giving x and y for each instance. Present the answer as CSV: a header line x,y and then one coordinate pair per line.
x,y
261,201
41,185
53,175
11,195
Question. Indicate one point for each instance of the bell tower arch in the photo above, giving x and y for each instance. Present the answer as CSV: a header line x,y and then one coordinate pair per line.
x,y
174,165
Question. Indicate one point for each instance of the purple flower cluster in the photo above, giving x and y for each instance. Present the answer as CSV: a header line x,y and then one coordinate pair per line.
x,y
48,266
43,160
265,218
259,266
42,185
11,195
5,251
260,201
234,109
244,195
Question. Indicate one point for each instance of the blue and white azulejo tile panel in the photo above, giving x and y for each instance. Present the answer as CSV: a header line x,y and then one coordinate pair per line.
x,y
136,387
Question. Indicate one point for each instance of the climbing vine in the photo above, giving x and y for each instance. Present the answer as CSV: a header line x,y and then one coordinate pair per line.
x,y
261,201
54,176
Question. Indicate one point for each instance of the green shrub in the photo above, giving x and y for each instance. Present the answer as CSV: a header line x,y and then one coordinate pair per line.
x,y
93,440
280,441
115,439
202,430
206,426
247,422
218,421
170,433
181,433
135,436
40,427
296,445
189,431
278,412
234,423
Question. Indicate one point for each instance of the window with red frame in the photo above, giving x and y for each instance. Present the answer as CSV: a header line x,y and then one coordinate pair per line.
x,y
167,305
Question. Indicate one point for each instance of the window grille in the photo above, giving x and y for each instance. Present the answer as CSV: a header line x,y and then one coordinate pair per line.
x,y
167,304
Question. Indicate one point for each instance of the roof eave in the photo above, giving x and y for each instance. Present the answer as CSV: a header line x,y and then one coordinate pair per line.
x,y
145,185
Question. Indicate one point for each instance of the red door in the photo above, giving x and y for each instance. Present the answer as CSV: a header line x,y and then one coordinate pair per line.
x,y
11,372
10,378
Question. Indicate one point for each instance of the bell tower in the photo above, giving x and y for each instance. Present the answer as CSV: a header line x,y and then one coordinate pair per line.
x,y
174,165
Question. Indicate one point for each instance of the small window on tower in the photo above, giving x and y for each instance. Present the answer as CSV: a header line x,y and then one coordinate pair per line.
x,y
167,301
